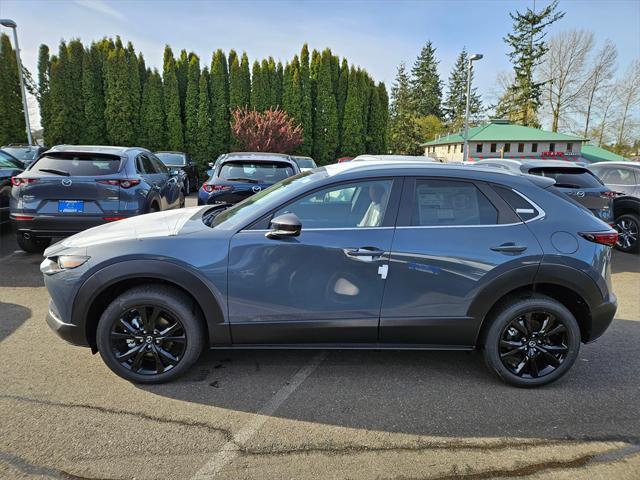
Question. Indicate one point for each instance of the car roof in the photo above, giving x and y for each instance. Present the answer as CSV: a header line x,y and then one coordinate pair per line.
x,y
170,151
106,149
301,157
393,158
616,164
532,163
256,156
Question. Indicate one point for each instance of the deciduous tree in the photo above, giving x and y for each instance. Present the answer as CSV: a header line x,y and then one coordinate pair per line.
x,y
269,131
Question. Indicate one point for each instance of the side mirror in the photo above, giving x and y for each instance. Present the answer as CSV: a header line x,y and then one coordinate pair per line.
x,y
211,164
287,225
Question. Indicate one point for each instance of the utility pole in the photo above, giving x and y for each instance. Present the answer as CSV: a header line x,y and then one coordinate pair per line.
x,y
465,151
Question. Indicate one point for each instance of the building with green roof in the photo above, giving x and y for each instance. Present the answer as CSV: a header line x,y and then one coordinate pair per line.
x,y
501,139
596,154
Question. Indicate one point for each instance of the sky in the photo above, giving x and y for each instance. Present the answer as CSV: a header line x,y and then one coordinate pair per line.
x,y
375,34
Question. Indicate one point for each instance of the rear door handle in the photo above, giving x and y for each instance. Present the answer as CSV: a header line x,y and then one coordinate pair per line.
x,y
365,252
509,248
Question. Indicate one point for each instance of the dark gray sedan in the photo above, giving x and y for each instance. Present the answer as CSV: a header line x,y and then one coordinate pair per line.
x,y
354,255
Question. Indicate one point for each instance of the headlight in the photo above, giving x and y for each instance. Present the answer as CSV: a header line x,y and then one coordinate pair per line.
x,y
52,265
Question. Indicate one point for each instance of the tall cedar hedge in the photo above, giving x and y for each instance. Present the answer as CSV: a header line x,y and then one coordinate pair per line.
x,y
105,94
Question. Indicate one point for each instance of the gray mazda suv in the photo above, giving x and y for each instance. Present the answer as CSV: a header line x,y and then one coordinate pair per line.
x,y
352,255
71,188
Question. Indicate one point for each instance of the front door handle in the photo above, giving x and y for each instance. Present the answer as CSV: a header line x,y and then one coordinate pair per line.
x,y
509,248
365,252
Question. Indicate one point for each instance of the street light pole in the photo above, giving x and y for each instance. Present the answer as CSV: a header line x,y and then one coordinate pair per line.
x,y
11,24
465,151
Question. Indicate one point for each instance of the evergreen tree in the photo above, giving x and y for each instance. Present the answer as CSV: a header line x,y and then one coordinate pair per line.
x,y
233,56
94,131
74,94
135,93
314,68
44,77
173,117
219,87
426,86
12,126
238,92
152,115
353,127
326,126
277,87
523,98
119,115
59,131
245,82
341,98
456,100
143,72
192,101
403,133
258,94
376,128
384,105
182,71
269,79
204,151
306,103
292,91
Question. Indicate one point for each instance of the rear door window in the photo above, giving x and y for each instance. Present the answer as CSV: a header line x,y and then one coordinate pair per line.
x,y
78,164
438,203
619,176
568,177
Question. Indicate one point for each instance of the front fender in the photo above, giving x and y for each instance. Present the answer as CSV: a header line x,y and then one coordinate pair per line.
x,y
204,293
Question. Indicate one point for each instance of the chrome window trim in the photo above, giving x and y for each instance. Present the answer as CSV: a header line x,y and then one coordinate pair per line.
x,y
541,212
322,229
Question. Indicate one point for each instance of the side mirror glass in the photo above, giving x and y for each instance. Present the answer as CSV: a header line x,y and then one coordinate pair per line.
x,y
287,225
211,164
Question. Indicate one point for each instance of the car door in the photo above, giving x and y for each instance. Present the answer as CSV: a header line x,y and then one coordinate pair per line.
x,y
167,183
453,238
324,286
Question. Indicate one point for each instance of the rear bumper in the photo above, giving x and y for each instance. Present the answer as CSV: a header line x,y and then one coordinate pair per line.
x,y
59,226
67,331
602,316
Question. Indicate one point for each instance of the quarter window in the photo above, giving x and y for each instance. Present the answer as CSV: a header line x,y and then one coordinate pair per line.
x,y
450,202
354,205
523,209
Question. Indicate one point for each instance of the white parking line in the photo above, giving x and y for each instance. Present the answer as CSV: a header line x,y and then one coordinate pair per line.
x,y
230,449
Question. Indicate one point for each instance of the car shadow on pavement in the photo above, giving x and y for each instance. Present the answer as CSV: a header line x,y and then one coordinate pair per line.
x,y
430,393
625,262
21,269
11,317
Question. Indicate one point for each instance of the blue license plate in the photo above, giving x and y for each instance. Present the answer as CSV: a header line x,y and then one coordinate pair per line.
x,y
70,206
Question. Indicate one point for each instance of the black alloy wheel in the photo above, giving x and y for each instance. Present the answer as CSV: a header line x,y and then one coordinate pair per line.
x,y
151,334
628,227
534,344
148,340
531,341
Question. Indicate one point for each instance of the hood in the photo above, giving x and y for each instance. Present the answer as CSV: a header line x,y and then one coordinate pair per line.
x,y
151,225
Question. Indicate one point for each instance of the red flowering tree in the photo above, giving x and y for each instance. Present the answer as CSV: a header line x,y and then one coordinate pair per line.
x,y
268,131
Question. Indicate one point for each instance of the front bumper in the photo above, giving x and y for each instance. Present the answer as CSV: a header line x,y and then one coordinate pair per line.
x,y
67,331
602,316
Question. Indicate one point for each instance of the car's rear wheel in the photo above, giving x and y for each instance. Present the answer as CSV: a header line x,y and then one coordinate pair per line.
x,y
150,334
532,342
33,244
628,227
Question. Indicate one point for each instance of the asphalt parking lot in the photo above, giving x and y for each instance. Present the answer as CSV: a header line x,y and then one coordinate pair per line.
x,y
306,414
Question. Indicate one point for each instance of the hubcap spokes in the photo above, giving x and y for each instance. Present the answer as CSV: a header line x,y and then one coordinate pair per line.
x,y
533,344
148,340
628,233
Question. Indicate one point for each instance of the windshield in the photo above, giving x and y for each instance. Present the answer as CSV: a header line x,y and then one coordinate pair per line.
x,y
255,172
77,164
305,163
172,159
568,177
272,196
22,153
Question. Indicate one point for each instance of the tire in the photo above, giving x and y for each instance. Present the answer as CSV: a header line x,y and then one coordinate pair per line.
x,y
176,356
628,227
33,244
508,349
187,186
153,208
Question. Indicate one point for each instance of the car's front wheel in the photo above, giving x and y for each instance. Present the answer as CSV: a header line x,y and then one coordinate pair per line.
x,y
532,341
628,227
150,334
33,244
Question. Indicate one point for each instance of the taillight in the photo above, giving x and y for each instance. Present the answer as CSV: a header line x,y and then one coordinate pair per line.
x,y
215,188
17,181
609,194
124,183
112,219
603,238
21,217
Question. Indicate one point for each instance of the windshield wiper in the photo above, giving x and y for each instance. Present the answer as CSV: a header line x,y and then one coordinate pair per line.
x,y
54,170
242,179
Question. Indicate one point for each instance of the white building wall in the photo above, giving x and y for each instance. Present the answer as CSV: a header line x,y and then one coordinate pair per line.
x,y
453,152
